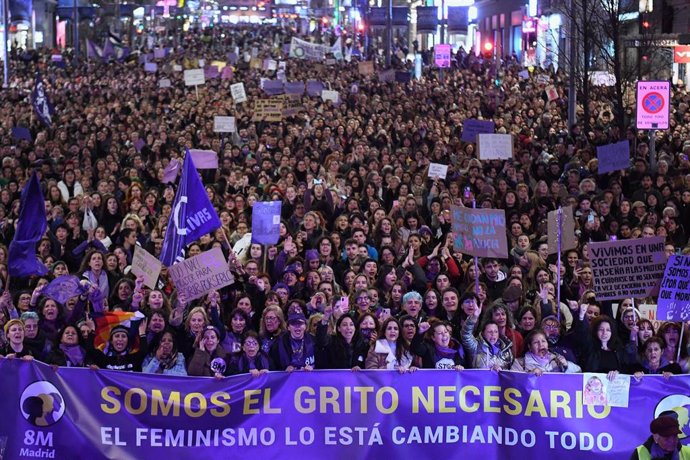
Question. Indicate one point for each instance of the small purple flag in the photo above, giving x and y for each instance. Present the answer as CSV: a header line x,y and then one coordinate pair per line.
x,y
211,71
204,159
139,144
63,288
170,171
226,74
42,106
266,222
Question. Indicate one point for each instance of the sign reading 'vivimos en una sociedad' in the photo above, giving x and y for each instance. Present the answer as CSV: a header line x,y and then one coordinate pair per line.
x,y
627,268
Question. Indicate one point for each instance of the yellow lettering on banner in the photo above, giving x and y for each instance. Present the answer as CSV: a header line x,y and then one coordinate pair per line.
x,y
512,405
129,403
535,404
160,405
190,409
426,401
221,400
560,400
328,400
267,403
463,399
249,401
306,406
446,398
379,400
489,398
106,395
364,398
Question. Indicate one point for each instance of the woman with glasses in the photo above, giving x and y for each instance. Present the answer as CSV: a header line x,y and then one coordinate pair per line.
x,y
272,325
252,359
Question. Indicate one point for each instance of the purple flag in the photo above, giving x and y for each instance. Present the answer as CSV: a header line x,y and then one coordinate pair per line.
x,y
204,159
294,87
170,171
109,50
314,88
30,229
471,127
226,74
139,144
193,215
266,222
273,87
63,288
42,106
93,51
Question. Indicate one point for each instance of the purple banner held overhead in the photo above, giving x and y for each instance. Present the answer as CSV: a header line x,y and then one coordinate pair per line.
x,y
80,414
63,288
266,222
472,127
314,88
294,87
273,87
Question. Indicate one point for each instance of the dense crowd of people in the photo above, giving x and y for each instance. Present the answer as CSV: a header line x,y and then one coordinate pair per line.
x,y
364,275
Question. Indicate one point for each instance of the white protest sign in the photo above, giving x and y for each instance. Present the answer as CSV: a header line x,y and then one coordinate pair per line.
x,y
201,274
238,93
177,68
495,146
329,95
146,266
437,170
202,63
151,67
223,124
164,83
194,77
598,390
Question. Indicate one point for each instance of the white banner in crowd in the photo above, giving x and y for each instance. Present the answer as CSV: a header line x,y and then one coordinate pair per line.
x,y
301,49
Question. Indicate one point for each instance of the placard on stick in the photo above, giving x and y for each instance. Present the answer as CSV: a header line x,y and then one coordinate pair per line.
x,y
268,110
495,146
674,295
146,266
480,232
568,237
198,275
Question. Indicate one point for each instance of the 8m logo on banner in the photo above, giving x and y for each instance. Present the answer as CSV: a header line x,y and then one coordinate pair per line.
x,y
653,104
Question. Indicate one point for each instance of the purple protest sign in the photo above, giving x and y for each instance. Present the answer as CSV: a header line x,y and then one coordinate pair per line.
x,y
613,157
226,74
472,127
211,71
21,133
314,88
480,232
63,288
273,87
233,58
627,268
266,222
325,414
139,144
674,295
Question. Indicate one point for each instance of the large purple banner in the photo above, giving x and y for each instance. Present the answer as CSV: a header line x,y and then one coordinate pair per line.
x,y
84,414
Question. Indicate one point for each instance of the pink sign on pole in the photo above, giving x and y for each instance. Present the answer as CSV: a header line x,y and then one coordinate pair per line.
x,y
442,56
653,108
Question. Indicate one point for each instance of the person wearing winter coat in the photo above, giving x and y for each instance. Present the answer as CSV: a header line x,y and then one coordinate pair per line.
x,y
165,358
209,358
438,350
118,354
538,359
296,349
346,349
252,359
391,351
489,350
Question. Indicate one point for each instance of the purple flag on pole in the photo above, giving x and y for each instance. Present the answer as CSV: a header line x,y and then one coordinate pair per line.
x,y
30,229
21,133
314,88
170,171
266,222
39,100
93,51
294,87
193,215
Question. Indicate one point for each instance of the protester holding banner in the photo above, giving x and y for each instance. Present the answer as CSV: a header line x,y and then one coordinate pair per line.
x,y
120,352
295,349
434,344
539,359
391,351
670,333
209,358
165,357
603,352
345,348
653,361
69,350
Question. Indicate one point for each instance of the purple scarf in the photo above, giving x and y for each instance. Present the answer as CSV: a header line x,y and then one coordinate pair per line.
x,y
74,355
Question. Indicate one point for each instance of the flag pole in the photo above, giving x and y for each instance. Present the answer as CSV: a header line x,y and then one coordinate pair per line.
x,y
5,39
476,260
559,227
680,341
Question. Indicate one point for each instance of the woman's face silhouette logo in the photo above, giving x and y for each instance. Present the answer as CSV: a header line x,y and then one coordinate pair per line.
x,y
42,404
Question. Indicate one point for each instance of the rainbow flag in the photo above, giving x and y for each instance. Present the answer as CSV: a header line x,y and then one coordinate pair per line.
x,y
106,321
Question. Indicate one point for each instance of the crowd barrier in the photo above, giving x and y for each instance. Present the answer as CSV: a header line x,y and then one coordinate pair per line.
x,y
84,414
